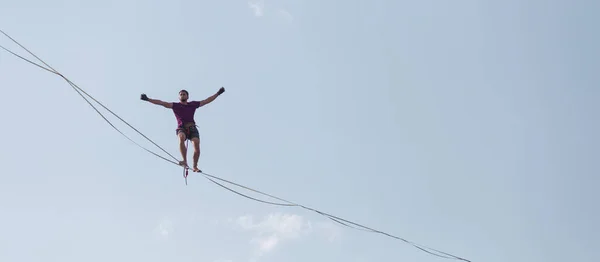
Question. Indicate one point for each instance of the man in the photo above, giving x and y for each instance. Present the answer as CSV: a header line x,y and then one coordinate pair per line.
x,y
186,126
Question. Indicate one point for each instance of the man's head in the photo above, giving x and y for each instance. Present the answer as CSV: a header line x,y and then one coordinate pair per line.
x,y
183,95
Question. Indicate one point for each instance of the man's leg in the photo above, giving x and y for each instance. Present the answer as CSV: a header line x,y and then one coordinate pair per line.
x,y
182,148
195,137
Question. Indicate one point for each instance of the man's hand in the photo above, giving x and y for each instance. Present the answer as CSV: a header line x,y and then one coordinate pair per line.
x,y
144,97
209,99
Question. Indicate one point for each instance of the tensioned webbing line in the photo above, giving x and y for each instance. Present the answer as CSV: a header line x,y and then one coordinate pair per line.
x,y
212,178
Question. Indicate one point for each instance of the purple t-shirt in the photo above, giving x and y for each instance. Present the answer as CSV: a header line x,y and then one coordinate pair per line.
x,y
185,113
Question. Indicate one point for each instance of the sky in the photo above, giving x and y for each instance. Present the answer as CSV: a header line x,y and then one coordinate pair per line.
x,y
465,126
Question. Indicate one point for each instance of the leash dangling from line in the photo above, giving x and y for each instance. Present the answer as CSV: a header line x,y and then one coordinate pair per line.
x,y
185,174
185,168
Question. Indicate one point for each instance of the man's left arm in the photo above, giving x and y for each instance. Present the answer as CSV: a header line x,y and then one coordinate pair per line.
x,y
212,98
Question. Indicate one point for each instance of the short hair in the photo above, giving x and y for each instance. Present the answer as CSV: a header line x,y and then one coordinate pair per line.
x,y
186,92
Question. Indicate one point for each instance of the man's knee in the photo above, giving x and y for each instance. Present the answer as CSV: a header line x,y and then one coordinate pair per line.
x,y
181,137
196,142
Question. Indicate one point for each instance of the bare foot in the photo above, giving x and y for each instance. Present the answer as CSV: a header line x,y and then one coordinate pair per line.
x,y
183,164
196,169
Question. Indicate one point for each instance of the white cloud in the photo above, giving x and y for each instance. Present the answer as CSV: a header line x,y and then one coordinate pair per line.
x,y
266,244
258,7
285,15
274,229
164,228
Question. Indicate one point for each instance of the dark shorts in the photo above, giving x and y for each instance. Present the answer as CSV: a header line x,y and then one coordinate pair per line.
x,y
190,132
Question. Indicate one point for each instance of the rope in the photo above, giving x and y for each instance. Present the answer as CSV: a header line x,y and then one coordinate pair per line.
x,y
336,219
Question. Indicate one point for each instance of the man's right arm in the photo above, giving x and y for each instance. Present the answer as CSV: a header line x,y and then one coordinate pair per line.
x,y
156,101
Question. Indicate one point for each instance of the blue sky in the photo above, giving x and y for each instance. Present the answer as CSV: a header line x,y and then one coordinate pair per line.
x,y
466,126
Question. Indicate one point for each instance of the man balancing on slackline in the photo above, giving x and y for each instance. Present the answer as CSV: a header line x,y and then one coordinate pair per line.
x,y
186,126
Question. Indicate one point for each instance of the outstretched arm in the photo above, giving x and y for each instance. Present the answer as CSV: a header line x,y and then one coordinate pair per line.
x,y
212,98
156,101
